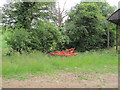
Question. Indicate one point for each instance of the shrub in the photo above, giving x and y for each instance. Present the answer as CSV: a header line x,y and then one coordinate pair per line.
x,y
46,37
19,40
43,37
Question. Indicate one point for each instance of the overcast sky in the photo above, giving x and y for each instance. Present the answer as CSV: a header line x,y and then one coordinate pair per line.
x,y
71,3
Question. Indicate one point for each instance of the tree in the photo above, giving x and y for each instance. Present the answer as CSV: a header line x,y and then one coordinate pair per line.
x,y
31,19
86,27
24,13
44,37
106,11
57,14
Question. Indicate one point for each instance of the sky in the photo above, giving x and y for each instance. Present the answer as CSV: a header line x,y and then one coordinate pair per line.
x,y
69,3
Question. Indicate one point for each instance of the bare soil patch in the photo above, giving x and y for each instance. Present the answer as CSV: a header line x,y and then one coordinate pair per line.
x,y
66,80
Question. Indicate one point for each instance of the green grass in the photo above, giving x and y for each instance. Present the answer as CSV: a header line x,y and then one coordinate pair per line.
x,y
102,61
2,39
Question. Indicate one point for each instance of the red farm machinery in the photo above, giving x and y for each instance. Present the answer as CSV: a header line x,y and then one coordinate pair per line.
x,y
68,52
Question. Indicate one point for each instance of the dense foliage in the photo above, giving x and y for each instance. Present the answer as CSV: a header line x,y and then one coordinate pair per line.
x,y
19,40
44,37
25,13
31,27
87,27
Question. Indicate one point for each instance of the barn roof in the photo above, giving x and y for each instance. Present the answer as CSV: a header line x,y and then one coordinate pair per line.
x,y
115,17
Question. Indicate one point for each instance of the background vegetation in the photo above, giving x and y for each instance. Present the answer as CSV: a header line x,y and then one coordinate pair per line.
x,y
32,27
32,30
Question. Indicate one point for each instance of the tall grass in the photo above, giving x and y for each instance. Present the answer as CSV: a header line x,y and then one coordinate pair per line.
x,y
2,39
103,61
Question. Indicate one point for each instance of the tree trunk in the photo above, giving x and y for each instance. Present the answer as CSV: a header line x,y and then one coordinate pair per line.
x,y
108,37
117,39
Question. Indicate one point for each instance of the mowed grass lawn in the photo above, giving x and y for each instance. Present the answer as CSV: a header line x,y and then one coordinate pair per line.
x,y
102,61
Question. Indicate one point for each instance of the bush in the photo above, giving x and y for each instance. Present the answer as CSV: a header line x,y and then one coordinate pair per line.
x,y
63,39
19,40
46,37
43,37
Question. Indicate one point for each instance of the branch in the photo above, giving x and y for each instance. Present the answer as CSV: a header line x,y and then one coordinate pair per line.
x,y
64,16
64,6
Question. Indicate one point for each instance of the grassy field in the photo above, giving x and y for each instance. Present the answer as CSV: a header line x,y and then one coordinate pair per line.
x,y
37,63
102,61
